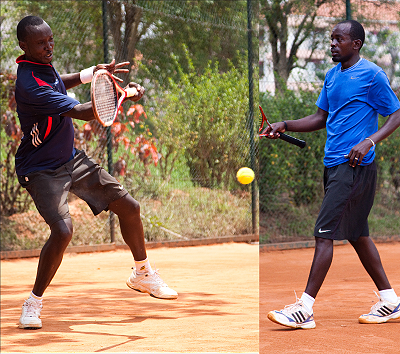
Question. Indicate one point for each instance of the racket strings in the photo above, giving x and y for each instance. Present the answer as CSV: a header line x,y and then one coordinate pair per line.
x,y
106,98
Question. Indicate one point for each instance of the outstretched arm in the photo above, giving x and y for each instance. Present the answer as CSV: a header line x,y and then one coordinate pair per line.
x,y
310,123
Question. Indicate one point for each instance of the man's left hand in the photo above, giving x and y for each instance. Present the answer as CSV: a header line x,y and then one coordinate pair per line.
x,y
113,68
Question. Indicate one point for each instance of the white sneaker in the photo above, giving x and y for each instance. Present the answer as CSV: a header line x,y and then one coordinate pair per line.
x,y
294,316
381,312
30,317
151,284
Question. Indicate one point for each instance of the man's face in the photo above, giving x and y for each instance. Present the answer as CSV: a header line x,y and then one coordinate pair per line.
x,y
38,45
342,47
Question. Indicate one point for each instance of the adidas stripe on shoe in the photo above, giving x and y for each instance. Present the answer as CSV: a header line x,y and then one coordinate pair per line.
x,y
381,312
294,316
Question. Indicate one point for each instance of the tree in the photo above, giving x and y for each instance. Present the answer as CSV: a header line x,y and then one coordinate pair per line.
x,y
275,15
211,30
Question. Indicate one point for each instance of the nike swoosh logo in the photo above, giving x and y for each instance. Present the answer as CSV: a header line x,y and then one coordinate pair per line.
x,y
354,78
322,231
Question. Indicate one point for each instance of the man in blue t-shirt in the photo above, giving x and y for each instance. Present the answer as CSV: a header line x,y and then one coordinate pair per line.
x,y
355,91
49,166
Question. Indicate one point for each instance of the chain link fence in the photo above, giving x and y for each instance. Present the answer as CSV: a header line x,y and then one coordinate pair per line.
x,y
178,149
291,188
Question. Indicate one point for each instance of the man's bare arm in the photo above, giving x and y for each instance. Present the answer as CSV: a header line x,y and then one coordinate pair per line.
x,y
82,111
71,80
310,123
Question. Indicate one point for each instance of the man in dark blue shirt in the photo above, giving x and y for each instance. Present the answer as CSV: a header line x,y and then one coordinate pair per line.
x,y
49,166
42,99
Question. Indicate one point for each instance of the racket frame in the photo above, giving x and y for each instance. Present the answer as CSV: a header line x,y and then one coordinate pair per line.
x,y
290,139
124,93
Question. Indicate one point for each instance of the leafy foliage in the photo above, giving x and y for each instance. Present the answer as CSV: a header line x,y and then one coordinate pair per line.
x,y
204,116
285,170
13,198
207,41
131,147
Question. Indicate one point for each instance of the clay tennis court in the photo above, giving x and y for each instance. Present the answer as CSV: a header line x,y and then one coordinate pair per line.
x,y
88,307
346,294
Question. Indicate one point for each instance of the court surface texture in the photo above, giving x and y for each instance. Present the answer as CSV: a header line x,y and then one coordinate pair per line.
x,y
347,293
89,308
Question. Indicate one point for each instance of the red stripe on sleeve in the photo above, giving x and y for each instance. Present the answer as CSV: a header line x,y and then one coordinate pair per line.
x,y
49,123
40,81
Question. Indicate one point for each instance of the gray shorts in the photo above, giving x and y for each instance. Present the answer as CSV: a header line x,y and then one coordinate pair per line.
x,y
349,196
82,176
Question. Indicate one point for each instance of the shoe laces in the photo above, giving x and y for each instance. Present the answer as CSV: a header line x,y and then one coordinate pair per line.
x,y
32,308
379,304
157,279
297,306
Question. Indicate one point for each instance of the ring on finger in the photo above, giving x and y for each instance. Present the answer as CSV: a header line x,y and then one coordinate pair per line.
x,y
356,158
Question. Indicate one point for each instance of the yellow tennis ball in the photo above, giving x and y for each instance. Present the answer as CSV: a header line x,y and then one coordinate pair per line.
x,y
245,175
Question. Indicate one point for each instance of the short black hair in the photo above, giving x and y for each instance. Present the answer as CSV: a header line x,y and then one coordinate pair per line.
x,y
356,30
25,23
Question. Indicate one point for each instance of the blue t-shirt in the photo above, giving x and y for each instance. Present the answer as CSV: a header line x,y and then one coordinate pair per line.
x,y
41,97
353,98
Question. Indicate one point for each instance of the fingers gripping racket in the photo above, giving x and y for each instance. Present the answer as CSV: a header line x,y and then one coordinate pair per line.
x,y
285,137
107,97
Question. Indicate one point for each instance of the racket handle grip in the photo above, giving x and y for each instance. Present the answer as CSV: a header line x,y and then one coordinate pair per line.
x,y
291,140
130,91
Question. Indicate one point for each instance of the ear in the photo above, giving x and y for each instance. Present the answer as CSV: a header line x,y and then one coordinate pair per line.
x,y
357,44
23,45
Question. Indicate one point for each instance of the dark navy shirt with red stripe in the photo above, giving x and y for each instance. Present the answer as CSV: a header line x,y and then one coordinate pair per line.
x,y
48,140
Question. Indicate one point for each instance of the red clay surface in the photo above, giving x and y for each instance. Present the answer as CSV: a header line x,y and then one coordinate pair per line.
x,y
346,294
88,307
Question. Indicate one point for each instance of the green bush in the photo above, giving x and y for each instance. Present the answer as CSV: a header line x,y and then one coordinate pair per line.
x,y
204,117
285,170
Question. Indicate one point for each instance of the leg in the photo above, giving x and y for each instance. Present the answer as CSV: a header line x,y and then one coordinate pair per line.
x,y
322,261
52,254
128,211
370,259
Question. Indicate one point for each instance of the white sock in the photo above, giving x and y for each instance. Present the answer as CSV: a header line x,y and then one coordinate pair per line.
x,y
388,295
308,301
143,267
35,297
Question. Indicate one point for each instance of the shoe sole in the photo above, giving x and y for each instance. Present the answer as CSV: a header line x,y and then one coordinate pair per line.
x,y
171,297
29,327
364,320
271,317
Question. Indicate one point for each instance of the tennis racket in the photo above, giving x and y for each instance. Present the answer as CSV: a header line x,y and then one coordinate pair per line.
x,y
107,97
285,137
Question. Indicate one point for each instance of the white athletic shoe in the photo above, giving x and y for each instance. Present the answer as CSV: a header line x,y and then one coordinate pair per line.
x,y
381,312
30,317
151,284
294,316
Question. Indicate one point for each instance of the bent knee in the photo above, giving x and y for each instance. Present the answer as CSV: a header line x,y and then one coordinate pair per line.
x,y
134,206
62,230
125,206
